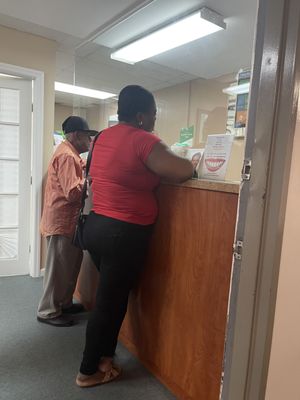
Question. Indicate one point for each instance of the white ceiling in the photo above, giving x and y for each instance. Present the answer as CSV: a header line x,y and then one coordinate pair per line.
x,y
75,23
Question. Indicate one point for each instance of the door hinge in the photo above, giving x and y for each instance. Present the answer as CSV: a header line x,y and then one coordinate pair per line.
x,y
246,171
31,107
238,249
31,180
30,248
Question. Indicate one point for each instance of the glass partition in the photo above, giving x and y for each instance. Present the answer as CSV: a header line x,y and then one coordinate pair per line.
x,y
201,88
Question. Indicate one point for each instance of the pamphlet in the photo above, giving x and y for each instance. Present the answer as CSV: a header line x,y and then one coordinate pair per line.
x,y
186,135
195,155
216,156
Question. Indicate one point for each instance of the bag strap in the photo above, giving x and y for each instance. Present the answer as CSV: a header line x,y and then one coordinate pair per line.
x,y
89,157
87,168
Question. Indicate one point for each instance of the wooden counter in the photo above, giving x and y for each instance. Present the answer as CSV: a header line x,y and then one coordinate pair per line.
x,y
215,186
177,315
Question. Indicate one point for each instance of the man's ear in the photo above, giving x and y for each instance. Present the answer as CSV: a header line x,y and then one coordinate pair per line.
x,y
76,136
72,137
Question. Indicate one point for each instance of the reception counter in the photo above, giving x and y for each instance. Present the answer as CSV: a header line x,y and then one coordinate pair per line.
x,y
176,316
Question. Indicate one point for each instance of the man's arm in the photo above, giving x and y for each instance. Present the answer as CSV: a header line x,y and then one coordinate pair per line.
x,y
70,177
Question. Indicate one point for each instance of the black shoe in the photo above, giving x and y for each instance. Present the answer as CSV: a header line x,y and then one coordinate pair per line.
x,y
60,321
75,308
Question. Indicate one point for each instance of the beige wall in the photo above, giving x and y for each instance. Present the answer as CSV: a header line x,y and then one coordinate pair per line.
x,y
60,114
207,99
284,368
93,117
179,106
200,103
30,51
107,109
203,104
172,111
96,116
235,163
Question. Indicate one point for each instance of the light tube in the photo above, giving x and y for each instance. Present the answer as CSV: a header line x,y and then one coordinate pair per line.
x,y
194,26
237,89
81,91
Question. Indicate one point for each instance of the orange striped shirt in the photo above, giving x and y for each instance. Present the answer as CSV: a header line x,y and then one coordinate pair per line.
x,y
62,197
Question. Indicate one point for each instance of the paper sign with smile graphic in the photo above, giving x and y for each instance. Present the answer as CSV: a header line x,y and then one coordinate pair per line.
x,y
214,164
215,158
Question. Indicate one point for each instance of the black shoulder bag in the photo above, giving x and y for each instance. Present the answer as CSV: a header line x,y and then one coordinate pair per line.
x,y
78,234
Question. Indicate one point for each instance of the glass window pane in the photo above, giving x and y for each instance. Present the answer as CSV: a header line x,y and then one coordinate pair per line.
x,y
9,244
9,105
9,211
9,141
9,176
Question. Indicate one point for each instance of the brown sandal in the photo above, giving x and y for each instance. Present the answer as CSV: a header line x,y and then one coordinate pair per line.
x,y
98,378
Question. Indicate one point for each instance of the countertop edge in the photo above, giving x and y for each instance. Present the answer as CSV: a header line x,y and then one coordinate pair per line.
x,y
204,184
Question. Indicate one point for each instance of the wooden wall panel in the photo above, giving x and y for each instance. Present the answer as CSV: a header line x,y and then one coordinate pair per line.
x,y
177,315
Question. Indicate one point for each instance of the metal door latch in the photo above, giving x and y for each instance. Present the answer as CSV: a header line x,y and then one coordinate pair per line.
x,y
246,171
238,249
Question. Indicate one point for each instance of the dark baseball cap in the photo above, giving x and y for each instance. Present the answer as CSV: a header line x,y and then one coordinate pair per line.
x,y
75,123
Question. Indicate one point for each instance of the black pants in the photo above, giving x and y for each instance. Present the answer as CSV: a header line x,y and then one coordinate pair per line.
x,y
118,250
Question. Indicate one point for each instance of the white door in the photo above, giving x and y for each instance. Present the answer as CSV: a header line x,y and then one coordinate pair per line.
x,y
15,172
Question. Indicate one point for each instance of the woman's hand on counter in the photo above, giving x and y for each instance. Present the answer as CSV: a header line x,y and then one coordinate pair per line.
x,y
163,162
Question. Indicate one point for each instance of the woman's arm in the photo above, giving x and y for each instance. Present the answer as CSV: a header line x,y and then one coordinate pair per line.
x,y
166,164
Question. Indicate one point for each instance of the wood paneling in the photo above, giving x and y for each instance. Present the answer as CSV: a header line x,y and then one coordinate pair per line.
x,y
216,186
177,315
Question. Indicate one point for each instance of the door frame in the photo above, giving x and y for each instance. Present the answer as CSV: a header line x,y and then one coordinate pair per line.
x,y
262,203
37,77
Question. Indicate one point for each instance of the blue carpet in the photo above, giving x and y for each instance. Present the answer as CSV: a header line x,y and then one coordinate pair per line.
x,y
40,362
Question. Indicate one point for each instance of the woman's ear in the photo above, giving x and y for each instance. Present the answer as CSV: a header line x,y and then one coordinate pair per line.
x,y
140,119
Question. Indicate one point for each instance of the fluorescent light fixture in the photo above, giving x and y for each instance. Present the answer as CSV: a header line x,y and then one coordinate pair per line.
x,y
237,89
192,27
81,91
10,76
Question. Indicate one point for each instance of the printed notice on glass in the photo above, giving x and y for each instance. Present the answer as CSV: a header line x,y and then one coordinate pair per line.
x,y
216,156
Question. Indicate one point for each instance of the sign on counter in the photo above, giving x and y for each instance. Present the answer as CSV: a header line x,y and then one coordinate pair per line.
x,y
216,155
186,135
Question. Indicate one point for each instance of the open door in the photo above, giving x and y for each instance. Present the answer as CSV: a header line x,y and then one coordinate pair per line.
x,y
262,204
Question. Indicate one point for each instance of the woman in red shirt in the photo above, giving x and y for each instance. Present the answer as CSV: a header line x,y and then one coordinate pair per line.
x,y
127,164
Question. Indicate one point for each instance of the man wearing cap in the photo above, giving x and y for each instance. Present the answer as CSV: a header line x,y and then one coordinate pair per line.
x,y
62,201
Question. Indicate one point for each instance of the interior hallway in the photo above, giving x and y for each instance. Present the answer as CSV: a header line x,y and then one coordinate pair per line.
x,y
40,362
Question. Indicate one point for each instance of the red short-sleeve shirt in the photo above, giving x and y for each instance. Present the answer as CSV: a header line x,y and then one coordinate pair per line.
x,y
122,184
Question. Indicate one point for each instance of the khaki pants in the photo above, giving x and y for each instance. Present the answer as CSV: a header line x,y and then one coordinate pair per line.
x,y
61,272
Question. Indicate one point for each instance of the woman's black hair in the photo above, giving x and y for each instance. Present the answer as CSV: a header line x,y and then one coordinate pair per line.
x,y
133,99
